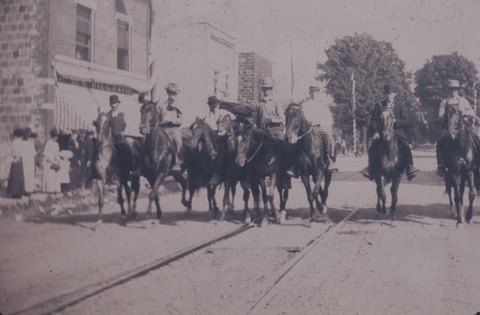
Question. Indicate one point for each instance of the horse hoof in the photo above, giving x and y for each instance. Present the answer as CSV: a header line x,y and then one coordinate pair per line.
x,y
188,213
231,212
97,224
264,223
283,217
460,225
324,210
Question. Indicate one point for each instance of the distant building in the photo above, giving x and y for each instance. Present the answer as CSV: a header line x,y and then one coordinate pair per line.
x,y
252,68
60,60
201,59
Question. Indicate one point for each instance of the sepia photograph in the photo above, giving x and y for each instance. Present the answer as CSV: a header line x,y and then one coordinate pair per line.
x,y
239,157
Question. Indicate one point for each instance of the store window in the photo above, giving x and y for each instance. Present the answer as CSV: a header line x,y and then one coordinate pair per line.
x,y
83,48
122,45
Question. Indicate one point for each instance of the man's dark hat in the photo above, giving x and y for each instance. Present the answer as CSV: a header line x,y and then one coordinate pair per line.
x,y
90,133
212,100
18,132
114,99
54,133
389,89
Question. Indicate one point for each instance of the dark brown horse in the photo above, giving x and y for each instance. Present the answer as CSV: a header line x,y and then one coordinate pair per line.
x,y
310,158
461,161
158,156
213,165
259,154
115,162
386,163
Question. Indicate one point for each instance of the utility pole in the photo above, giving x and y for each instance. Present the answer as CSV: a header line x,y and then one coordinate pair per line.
x,y
352,79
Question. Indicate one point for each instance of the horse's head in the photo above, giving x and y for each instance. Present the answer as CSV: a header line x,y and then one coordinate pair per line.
x,y
202,135
244,139
226,128
150,117
102,124
388,119
296,123
454,121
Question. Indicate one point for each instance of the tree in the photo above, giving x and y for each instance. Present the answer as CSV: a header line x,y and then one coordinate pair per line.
x,y
374,64
432,82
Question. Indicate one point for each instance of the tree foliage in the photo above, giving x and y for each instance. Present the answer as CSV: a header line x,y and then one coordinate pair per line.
x,y
432,82
374,64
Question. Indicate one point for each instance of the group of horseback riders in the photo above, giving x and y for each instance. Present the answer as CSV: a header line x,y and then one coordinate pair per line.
x,y
269,115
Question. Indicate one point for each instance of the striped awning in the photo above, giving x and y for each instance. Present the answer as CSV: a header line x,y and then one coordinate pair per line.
x,y
77,107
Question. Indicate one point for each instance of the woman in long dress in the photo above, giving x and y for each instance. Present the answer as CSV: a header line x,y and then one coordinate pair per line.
x,y
51,153
16,184
28,160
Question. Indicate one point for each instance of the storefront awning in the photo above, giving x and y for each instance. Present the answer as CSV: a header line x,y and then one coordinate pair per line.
x,y
77,107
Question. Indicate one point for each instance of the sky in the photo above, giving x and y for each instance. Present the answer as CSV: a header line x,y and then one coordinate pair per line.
x,y
277,29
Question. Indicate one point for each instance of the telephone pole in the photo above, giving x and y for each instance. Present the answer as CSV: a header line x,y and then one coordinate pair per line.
x,y
352,79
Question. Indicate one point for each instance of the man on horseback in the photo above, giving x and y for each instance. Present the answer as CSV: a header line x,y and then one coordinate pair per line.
x,y
120,143
117,120
464,107
401,121
172,120
215,114
319,115
269,114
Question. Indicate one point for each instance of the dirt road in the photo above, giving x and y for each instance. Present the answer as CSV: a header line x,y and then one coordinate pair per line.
x,y
422,264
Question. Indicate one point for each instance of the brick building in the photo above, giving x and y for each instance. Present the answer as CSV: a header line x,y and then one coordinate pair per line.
x,y
60,60
252,68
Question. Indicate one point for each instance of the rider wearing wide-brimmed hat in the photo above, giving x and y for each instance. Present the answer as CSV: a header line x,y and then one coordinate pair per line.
x,y
320,115
465,108
172,120
401,122
269,114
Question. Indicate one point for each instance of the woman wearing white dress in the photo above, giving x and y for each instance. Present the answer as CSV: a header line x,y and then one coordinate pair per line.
x,y
51,162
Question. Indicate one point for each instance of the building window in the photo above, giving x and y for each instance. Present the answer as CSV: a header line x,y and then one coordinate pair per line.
x,y
83,50
122,45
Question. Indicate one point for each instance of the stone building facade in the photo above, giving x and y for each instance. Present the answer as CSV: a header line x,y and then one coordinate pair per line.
x,y
252,68
201,59
61,59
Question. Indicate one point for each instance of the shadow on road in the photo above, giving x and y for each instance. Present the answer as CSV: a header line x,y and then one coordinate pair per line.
x,y
420,214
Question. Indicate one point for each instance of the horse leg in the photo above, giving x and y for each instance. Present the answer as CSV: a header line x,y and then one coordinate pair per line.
x,y
457,199
308,189
256,198
184,183
246,210
453,212
471,197
233,190
120,198
266,212
316,194
381,196
153,196
101,192
212,203
394,192
324,195
136,190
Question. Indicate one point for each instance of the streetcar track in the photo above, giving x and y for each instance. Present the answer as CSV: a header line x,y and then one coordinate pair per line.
x,y
61,302
258,297
64,301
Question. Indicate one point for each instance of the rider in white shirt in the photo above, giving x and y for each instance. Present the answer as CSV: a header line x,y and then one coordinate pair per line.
x,y
215,113
319,114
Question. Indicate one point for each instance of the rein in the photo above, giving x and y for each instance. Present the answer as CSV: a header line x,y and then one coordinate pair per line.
x,y
306,133
258,149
